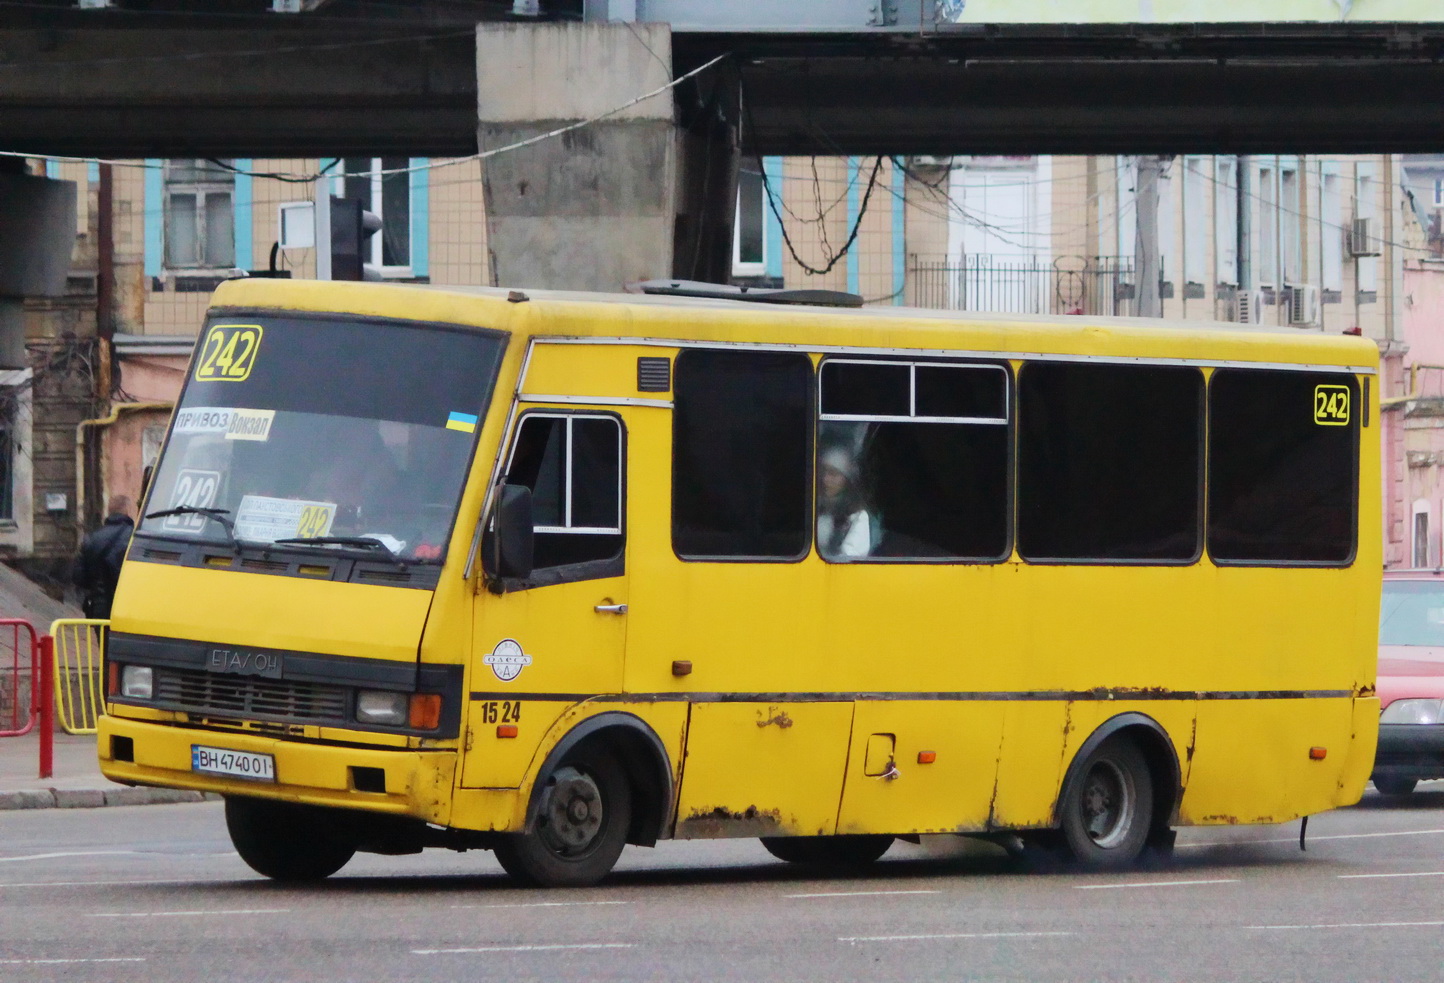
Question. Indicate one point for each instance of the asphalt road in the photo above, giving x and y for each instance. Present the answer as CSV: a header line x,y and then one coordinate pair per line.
x,y
154,893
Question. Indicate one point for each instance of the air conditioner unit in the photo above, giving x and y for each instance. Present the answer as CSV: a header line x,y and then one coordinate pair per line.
x,y
1362,241
1303,301
928,160
1248,307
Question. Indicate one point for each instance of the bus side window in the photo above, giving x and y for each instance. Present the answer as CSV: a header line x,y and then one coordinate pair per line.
x,y
573,465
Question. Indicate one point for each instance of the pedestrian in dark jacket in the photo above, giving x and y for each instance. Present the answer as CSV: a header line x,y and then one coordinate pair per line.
x,y
98,568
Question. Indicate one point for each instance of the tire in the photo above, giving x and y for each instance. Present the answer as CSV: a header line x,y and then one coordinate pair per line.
x,y
827,851
1108,808
286,841
1395,786
581,826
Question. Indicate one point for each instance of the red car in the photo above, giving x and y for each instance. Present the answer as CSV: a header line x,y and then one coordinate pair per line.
x,y
1411,681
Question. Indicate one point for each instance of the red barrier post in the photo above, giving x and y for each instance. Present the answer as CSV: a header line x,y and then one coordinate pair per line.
x,y
45,706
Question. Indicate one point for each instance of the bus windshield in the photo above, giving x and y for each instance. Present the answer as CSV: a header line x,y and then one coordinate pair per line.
x,y
324,428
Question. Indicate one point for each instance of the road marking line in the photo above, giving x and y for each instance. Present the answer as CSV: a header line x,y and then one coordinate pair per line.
x,y
1312,839
186,914
527,948
1109,887
111,883
856,894
954,935
1426,873
1356,925
49,962
75,853
543,904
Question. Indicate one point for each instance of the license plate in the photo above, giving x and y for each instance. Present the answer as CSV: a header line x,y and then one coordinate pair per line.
x,y
236,764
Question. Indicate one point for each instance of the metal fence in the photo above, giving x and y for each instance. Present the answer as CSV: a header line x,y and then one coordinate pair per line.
x,y
79,662
1023,284
19,674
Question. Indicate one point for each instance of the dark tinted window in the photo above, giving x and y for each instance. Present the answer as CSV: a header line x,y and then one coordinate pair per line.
x,y
742,452
1109,462
1282,479
913,461
572,464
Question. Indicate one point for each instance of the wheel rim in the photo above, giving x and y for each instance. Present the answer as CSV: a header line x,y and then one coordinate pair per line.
x,y
573,814
1108,802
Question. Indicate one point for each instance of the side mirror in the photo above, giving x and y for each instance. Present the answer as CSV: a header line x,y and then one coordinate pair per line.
x,y
506,548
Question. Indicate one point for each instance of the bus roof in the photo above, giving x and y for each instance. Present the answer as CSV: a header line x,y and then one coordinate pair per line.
x,y
652,319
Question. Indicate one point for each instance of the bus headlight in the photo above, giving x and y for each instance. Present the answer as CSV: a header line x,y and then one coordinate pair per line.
x,y
381,707
1413,712
137,682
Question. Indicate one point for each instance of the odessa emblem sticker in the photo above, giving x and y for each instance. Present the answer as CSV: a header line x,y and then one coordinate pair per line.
x,y
507,660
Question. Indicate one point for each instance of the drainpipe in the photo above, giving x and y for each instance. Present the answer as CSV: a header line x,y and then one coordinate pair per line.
x,y
82,449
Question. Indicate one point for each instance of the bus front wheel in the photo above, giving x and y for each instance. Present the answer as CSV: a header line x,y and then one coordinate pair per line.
x,y
828,851
285,841
581,826
1108,808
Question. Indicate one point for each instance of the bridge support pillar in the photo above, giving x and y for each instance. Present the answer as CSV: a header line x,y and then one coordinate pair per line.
x,y
635,193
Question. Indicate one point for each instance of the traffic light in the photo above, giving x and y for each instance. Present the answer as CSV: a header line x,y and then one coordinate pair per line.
x,y
351,230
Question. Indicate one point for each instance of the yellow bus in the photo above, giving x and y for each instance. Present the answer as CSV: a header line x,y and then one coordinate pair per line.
x,y
549,574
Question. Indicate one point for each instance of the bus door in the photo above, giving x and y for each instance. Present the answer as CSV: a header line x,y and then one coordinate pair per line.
x,y
558,636
727,608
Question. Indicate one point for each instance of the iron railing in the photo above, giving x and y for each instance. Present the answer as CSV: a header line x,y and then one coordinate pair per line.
x,y
1023,284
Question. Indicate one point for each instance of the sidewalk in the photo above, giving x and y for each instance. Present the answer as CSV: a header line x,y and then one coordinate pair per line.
x,y
77,782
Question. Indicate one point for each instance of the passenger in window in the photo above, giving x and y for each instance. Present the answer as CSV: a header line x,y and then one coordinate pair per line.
x,y
844,529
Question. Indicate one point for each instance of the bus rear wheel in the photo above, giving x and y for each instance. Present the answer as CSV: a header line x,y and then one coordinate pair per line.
x,y
1108,808
828,851
285,841
581,826
1395,786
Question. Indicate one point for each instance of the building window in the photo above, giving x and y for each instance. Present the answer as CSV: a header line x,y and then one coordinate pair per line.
x,y
1225,207
1195,215
1439,192
7,460
1110,462
749,231
1289,222
200,230
388,197
1421,534
1333,232
742,455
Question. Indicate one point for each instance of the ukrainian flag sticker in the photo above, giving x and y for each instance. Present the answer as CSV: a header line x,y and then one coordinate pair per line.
x,y
465,422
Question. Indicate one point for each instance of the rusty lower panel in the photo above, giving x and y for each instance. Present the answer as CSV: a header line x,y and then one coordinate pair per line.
x,y
722,822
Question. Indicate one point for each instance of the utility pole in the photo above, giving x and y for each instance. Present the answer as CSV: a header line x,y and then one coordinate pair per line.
x,y
1150,303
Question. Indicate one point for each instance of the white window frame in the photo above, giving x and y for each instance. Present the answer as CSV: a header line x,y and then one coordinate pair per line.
x,y
1225,208
567,480
1195,213
202,190
375,245
740,268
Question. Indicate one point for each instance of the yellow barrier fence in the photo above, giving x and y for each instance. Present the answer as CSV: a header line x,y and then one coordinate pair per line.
x,y
79,663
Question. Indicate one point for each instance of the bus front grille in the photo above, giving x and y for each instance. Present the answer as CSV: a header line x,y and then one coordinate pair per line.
x,y
249,697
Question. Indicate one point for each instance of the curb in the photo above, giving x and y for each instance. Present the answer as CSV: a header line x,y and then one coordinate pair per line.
x,y
91,798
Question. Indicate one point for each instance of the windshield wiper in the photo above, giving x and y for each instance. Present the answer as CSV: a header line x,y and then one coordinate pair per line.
x,y
366,542
217,514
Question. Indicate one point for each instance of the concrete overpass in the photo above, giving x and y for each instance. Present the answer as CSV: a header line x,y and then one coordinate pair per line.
x,y
236,78
650,189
